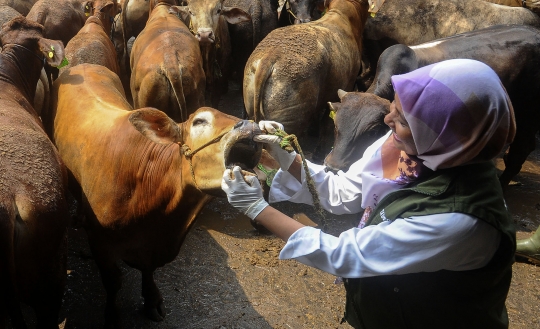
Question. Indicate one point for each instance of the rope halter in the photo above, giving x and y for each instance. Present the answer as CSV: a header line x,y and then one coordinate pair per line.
x,y
188,153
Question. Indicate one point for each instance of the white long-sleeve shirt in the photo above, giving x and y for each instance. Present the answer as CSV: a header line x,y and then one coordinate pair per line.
x,y
450,241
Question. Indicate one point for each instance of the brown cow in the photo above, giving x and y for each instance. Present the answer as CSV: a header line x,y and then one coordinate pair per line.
x,y
62,19
21,6
297,69
207,20
143,177
92,43
166,65
33,209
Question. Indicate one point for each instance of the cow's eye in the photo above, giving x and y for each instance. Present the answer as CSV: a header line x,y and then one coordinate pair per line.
x,y
219,11
198,121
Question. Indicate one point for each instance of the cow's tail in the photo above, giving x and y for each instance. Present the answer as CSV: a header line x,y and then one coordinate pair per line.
x,y
8,283
261,76
174,75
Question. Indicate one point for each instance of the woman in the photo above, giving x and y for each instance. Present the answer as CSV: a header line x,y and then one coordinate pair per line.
x,y
435,245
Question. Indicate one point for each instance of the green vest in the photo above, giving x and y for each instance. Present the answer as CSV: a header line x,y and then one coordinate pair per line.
x,y
444,299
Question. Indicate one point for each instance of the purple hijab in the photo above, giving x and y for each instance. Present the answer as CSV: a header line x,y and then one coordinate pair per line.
x,y
456,119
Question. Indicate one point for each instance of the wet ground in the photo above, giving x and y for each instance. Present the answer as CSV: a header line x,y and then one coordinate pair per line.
x,y
228,275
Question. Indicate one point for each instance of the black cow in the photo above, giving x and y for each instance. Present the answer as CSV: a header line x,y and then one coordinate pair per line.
x,y
417,21
300,11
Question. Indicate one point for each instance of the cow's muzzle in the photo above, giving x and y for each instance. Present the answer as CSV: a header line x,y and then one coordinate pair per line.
x,y
205,36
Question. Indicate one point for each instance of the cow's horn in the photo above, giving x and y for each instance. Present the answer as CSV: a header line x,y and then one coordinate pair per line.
x,y
341,93
331,107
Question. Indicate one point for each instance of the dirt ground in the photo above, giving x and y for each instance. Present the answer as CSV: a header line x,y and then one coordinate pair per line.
x,y
228,276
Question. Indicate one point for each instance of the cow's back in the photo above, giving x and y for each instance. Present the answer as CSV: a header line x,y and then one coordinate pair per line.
x,y
91,96
296,69
418,21
167,67
92,45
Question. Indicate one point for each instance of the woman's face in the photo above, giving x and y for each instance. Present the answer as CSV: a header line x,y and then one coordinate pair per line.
x,y
402,134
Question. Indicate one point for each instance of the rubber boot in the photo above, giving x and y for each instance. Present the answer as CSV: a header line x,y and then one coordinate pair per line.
x,y
530,248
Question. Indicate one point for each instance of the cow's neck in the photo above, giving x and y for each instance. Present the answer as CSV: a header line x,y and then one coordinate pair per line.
x,y
357,17
23,78
209,63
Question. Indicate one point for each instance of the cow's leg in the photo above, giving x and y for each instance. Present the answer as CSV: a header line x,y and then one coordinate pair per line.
x,y
153,301
111,276
52,287
524,143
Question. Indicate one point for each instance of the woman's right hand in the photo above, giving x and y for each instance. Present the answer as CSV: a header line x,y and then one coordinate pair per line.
x,y
272,143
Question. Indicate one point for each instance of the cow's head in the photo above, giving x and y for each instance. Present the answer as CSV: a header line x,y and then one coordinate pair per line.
x,y
304,11
106,12
20,33
358,121
212,140
202,17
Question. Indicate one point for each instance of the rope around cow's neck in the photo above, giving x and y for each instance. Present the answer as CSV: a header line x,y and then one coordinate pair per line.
x,y
286,141
188,153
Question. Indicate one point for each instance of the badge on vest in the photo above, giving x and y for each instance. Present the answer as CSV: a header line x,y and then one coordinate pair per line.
x,y
383,216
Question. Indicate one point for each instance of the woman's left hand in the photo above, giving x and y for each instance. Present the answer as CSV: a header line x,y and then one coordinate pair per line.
x,y
243,192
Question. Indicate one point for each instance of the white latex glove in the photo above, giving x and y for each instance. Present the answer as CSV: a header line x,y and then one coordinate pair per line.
x,y
284,158
245,194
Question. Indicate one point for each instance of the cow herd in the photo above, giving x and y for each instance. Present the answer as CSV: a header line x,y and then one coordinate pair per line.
x,y
107,101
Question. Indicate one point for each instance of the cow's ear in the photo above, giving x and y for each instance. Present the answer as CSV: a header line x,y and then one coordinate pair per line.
x,y
235,15
155,125
108,6
182,12
52,51
87,8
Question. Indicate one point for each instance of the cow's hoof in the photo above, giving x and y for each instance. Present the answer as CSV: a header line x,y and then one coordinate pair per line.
x,y
155,314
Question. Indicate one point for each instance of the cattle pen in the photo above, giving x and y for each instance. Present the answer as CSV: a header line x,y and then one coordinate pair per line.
x,y
228,275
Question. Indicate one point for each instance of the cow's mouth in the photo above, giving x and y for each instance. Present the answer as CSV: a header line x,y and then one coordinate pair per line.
x,y
245,153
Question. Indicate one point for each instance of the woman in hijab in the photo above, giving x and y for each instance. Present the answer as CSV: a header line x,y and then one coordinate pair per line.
x,y
435,244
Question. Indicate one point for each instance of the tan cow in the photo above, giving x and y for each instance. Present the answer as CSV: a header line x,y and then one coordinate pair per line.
x,y
92,44
297,69
33,209
166,65
207,20
143,177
